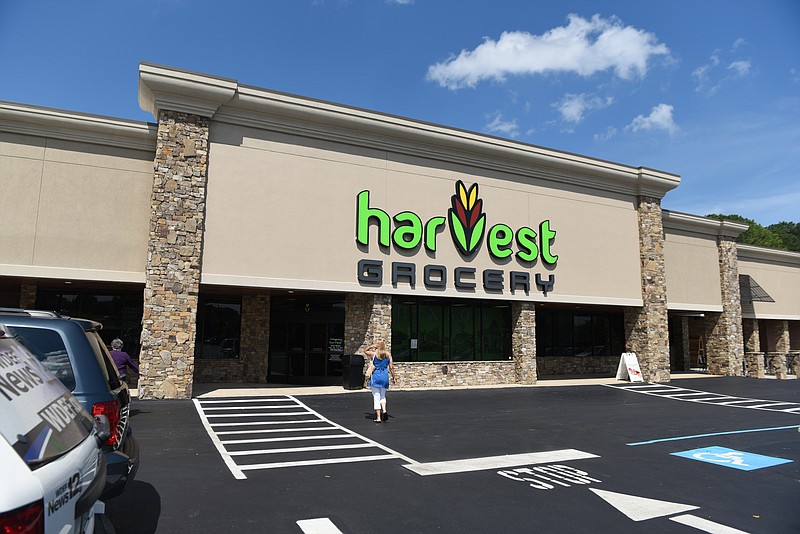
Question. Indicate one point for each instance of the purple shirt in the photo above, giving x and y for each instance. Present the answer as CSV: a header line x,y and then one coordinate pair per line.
x,y
121,359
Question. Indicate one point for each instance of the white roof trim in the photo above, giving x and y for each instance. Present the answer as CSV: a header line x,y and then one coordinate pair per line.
x,y
674,220
227,101
73,126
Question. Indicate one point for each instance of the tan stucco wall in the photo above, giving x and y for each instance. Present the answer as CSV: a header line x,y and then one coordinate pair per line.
x,y
778,273
281,212
80,210
692,265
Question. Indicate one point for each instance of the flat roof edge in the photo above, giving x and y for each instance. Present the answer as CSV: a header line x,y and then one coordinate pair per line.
x,y
40,121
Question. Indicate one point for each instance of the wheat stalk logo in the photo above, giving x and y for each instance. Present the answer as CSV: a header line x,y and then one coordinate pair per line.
x,y
466,219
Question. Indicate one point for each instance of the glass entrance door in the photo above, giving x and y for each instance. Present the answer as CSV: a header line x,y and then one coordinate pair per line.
x,y
306,340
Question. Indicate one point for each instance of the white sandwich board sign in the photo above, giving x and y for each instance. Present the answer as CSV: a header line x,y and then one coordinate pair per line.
x,y
628,368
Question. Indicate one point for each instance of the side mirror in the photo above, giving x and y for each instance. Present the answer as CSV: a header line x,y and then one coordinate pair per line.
x,y
102,429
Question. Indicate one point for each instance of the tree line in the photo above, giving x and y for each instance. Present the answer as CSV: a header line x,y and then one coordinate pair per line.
x,y
782,236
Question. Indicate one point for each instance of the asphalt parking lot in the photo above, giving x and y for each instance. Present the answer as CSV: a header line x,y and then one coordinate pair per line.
x,y
696,455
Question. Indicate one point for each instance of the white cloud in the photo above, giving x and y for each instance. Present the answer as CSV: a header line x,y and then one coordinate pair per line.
x,y
572,106
709,78
794,75
740,67
499,126
583,47
660,118
605,136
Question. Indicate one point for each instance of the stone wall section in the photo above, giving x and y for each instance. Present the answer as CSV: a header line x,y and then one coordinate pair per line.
x,y
172,272
724,335
685,351
254,345
750,333
454,374
368,317
523,342
646,328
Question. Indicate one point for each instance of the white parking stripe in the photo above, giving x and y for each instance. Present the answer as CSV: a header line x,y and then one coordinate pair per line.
x,y
322,525
237,473
273,440
258,423
263,422
326,461
715,399
705,525
254,399
273,430
279,407
302,449
497,462
256,414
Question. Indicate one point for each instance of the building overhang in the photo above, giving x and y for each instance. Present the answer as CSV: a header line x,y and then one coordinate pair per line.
x,y
73,126
227,101
696,224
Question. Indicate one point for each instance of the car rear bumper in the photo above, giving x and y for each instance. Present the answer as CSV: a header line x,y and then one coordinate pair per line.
x,y
122,466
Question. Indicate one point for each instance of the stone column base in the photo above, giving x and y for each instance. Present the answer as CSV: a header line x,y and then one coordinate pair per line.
x,y
755,364
777,364
794,366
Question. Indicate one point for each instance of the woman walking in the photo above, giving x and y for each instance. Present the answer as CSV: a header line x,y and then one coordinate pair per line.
x,y
379,381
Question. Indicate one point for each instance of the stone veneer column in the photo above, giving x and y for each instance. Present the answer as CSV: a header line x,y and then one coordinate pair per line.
x,y
172,273
27,296
724,338
254,344
750,332
687,357
367,318
778,331
753,357
646,328
523,341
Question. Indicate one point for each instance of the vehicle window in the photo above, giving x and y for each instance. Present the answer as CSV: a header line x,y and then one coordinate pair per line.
x,y
48,346
104,359
41,419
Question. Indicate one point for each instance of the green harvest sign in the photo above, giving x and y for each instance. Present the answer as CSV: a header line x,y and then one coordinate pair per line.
x,y
467,223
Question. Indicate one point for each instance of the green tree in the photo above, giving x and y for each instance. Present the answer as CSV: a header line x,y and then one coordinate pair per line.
x,y
755,235
789,233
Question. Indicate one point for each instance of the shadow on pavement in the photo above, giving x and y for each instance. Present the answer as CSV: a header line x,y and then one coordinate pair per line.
x,y
135,511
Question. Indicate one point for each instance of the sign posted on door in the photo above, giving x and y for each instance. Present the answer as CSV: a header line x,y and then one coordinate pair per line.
x,y
628,368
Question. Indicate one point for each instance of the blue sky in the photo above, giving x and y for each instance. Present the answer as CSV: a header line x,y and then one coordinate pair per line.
x,y
706,89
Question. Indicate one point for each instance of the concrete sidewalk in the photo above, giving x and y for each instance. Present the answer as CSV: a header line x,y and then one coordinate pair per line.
x,y
260,390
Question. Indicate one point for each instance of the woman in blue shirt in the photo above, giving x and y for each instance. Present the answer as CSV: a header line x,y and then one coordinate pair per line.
x,y
379,382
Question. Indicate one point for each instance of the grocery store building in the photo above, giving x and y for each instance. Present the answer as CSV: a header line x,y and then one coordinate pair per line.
x,y
255,236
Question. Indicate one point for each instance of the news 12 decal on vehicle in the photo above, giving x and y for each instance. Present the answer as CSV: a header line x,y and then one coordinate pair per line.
x,y
467,222
52,419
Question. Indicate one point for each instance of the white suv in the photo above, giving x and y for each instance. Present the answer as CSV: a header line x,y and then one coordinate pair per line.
x,y
53,470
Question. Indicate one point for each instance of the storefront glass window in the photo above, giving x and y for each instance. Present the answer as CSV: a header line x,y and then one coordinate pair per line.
x,y
449,330
219,322
120,312
566,333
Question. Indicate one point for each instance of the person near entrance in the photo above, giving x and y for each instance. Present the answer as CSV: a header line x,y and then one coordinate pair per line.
x,y
122,359
379,381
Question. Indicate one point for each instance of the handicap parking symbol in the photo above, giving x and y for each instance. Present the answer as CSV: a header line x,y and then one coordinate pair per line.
x,y
746,461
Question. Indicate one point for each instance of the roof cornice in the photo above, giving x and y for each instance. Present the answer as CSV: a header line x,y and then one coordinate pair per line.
x,y
73,126
702,225
227,101
182,91
769,255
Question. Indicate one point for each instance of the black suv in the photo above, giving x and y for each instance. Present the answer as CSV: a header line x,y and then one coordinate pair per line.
x,y
74,352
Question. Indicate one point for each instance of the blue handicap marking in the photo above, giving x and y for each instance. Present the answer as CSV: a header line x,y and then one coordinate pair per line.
x,y
746,461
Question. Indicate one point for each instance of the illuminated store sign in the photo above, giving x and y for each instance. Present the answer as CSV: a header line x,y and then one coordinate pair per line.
x,y
467,223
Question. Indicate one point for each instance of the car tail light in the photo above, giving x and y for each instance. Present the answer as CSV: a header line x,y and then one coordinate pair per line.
x,y
26,520
111,410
